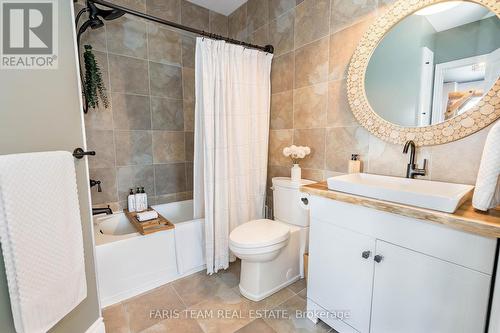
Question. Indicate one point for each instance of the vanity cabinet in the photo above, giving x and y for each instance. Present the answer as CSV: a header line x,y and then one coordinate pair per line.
x,y
415,293
346,277
395,274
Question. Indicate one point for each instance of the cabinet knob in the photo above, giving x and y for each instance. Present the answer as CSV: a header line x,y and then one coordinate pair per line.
x,y
378,258
366,254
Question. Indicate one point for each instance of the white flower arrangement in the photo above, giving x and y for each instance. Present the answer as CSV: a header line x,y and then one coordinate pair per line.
x,y
296,153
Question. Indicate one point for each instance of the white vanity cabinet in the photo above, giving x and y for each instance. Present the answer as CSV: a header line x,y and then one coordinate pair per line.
x,y
415,293
339,277
426,277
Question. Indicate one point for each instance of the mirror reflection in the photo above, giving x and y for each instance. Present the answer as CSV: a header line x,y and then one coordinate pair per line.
x,y
435,64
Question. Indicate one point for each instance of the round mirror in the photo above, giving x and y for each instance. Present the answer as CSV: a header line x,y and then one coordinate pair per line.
x,y
435,64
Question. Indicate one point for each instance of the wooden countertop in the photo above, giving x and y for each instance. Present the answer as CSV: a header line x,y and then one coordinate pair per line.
x,y
465,218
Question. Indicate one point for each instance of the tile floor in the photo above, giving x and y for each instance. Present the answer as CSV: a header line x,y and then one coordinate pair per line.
x,y
202,303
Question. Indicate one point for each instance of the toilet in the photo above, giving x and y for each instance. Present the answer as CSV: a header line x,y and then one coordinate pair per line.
x,y
271,251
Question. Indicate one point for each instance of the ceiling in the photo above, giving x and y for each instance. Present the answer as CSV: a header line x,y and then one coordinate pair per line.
x,y
460,14
225,7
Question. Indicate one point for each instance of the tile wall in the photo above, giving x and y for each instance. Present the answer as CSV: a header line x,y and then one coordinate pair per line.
x,y
314,41
146,137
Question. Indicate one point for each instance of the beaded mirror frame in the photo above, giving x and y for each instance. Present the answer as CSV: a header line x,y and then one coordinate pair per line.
x,y
482,115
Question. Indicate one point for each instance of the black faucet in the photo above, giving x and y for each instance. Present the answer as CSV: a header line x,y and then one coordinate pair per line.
x,y
94,183
95,211
105,210
412,170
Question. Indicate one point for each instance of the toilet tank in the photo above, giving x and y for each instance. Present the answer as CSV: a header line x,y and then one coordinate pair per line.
x,y
287,203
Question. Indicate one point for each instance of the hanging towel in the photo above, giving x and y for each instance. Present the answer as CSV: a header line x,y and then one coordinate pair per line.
x,y
487,192
41,236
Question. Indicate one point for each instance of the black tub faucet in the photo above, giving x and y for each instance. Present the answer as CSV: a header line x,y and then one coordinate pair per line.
x,y
105,210
94,183
412,169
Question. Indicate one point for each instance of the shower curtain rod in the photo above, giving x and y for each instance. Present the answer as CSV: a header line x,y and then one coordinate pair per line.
x,y
266,48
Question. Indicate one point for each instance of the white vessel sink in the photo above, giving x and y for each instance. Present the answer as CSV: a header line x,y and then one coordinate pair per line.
x,y
444,197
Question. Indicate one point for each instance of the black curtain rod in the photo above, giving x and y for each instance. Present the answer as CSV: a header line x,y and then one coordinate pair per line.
x,y
267,48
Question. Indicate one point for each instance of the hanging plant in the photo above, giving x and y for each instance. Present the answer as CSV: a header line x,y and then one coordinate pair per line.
x,y
93,88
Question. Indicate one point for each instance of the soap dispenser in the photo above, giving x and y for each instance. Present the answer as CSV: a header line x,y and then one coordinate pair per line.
x,y
354,164
131,201
144,198
138,206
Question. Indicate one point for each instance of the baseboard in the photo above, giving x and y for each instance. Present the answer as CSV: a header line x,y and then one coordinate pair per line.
x,y
97,327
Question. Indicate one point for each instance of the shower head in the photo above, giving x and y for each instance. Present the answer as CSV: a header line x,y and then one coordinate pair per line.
x,y
106,14
112,14
96,15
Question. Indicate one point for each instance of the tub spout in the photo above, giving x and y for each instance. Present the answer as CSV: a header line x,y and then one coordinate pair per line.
x,y
106,210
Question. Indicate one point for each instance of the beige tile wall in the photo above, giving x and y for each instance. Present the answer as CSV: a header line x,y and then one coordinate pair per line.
x,y
314,41
146,137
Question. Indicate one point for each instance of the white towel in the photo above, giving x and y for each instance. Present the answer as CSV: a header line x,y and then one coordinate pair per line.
x,y
487,192
146,216
41,236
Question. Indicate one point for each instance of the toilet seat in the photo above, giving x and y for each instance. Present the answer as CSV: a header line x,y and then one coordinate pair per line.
x,y
257,234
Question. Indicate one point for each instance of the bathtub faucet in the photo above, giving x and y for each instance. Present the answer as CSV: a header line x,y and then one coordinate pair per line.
x,y
106,210
94,183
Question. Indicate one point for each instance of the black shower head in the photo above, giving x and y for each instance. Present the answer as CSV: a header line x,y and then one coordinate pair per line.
x,y
96,15
106,14
111,14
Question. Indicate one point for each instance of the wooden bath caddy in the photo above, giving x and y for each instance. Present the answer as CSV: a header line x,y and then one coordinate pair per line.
x,y
150,226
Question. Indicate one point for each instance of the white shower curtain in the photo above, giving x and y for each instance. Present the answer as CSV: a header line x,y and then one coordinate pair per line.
x,y
231,141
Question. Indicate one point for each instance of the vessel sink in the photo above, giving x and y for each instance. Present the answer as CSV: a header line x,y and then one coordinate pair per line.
x,y
444,197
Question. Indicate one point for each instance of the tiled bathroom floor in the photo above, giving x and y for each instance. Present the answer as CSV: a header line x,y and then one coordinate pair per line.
x,y
202,303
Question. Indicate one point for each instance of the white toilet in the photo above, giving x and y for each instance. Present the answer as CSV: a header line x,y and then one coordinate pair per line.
x,y
271,252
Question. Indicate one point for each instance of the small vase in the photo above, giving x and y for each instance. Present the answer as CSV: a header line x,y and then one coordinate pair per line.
x,y
296,173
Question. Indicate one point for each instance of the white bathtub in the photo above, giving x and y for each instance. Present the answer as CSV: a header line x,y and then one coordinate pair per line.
x,y
129,264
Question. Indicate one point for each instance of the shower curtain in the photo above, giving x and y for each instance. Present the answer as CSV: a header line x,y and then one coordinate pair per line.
x,y
231,141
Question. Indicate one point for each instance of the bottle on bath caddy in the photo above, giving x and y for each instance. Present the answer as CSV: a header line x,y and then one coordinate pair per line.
x,y
144,198
131,201
141,200
137,196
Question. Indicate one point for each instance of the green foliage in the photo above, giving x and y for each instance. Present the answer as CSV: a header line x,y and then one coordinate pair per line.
x,y
94,88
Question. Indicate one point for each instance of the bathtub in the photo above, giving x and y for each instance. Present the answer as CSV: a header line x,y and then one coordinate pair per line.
x,y
129,263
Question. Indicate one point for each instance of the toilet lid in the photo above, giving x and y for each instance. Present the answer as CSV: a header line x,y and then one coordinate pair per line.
x,y
259,233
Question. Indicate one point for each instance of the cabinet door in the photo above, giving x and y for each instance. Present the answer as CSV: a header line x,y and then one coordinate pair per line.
x,y
416,293
340,279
